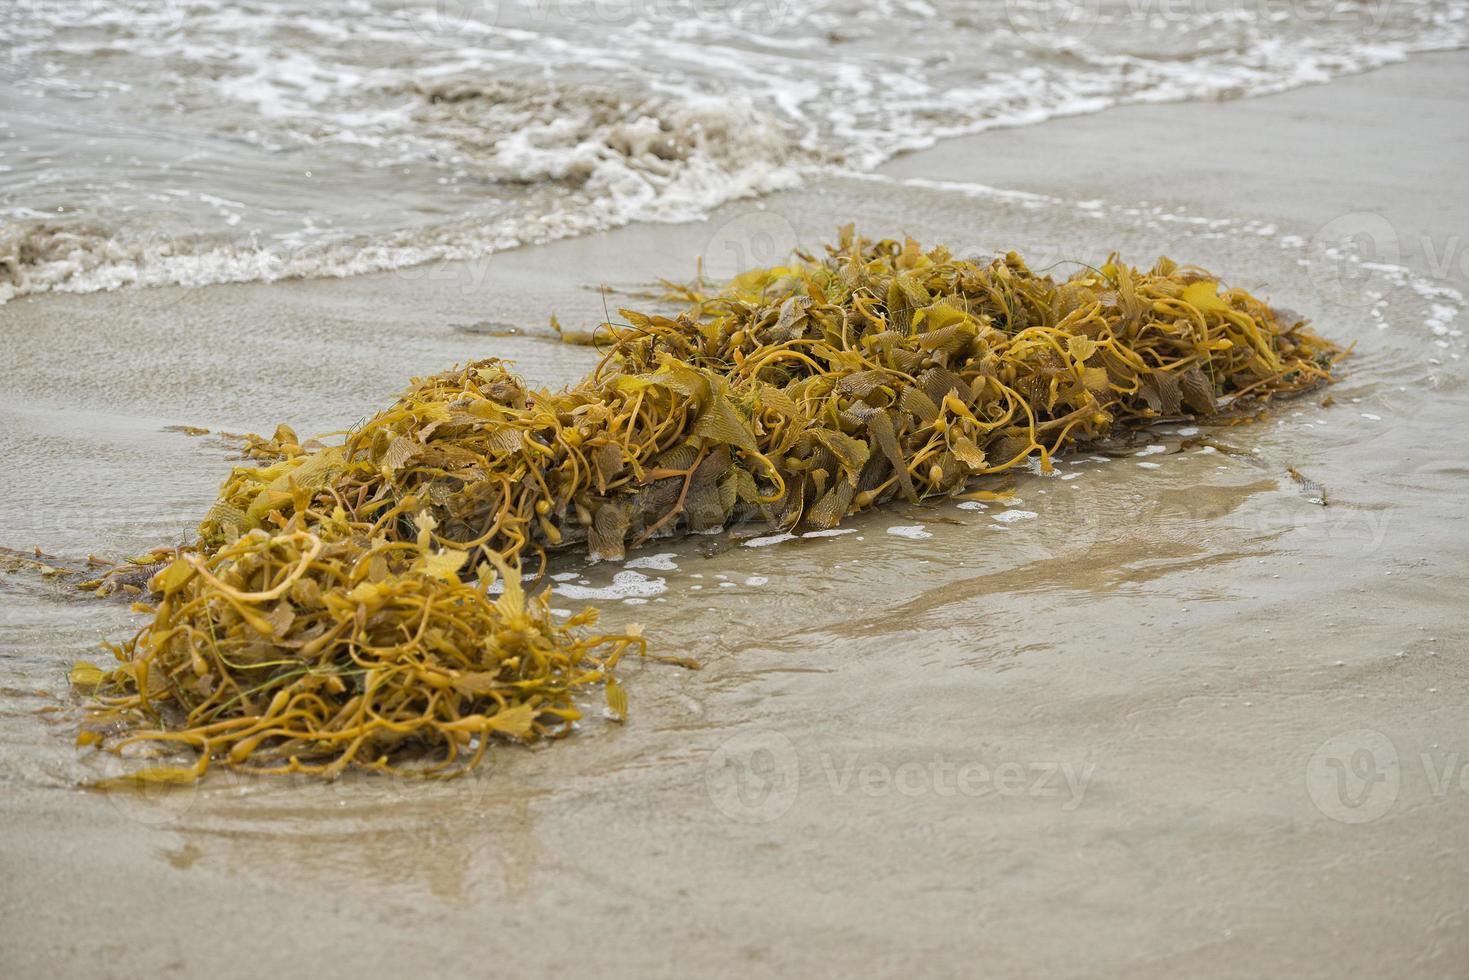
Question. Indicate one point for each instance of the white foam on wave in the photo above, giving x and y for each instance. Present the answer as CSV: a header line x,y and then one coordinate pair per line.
x,y
475,128
574,160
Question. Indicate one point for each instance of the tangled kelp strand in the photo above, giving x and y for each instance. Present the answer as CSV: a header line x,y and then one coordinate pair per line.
x,y
322,645
338,594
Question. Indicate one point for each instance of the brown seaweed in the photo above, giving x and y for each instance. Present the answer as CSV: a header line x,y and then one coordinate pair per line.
x,y
337,609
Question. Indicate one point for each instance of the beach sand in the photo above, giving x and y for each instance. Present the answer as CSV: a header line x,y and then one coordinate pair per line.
x,y
1162,715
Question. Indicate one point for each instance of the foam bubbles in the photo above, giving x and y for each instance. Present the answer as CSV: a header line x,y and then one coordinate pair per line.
x,y
625,585
659,563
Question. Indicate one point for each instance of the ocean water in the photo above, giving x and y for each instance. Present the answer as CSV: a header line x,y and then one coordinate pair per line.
x,y
198,141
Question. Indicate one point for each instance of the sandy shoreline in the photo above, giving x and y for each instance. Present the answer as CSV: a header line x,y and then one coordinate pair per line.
x,y
1012,748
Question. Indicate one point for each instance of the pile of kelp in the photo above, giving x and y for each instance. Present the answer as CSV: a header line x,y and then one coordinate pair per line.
x,y
341,606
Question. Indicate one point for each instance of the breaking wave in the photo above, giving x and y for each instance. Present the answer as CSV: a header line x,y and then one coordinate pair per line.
x,y
192,143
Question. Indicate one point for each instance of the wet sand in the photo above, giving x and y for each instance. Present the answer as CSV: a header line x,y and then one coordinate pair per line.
x,y
1159,715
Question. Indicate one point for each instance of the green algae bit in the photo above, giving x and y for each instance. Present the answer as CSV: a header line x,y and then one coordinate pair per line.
x,y
338,608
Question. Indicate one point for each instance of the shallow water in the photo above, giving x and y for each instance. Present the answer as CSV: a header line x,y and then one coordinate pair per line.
x,y
197,142
1158,536
1184,720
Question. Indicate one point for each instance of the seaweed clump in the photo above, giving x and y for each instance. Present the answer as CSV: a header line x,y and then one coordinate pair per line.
x,y
338,607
